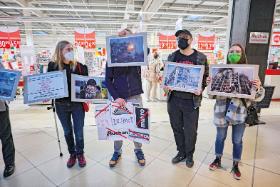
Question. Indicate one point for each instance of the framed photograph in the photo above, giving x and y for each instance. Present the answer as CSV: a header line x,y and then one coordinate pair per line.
x,y
45,86
183,77
233,80
88,89
127,51
8,84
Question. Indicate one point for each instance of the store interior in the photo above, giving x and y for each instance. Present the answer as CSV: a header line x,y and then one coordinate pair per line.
x,y
29,32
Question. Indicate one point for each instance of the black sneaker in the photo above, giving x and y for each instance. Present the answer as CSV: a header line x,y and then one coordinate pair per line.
x,y
189,162
9,170
216,164
236,172
178,158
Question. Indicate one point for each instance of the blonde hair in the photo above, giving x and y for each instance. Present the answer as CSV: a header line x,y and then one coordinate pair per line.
x,y
58,57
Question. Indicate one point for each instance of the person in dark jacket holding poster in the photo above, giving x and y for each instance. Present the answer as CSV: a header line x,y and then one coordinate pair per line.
x,y
8,148
125,85
183,107
65,108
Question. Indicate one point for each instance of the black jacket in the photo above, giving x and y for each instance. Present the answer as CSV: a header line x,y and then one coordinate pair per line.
x,y
124,82
79,70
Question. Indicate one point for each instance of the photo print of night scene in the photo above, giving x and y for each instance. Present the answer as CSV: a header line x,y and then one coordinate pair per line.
x,y
127,51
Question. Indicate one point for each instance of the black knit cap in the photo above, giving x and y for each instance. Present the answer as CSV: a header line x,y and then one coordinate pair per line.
x,y
91,82
183,31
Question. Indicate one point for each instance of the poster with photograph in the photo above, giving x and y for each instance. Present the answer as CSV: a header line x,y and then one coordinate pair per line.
x,y
233,80
128,50
183,77
88,89
45,86
8,84
122,123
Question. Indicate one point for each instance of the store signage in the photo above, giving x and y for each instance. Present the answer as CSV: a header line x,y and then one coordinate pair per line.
x,y
85,38
259,37
167,41
206,41
9,37
275,40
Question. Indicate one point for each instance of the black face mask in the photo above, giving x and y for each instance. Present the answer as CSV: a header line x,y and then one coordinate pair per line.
x,y
183,43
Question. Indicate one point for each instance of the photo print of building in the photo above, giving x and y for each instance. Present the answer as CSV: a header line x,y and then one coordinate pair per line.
x,y
183,77
8,84
231,80
127,51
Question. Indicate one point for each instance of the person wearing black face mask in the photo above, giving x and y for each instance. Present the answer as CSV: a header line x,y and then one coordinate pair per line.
x,y
183,107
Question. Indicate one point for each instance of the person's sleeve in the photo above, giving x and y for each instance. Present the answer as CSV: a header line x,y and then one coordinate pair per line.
x,y
206,73
50,67
109,82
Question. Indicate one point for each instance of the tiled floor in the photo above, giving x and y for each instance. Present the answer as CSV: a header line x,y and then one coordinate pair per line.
x,y
38,163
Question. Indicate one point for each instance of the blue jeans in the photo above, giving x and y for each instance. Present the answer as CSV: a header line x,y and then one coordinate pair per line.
x,y
237,134
64,112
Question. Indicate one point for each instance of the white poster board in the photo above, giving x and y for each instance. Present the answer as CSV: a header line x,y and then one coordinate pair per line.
x,y
46,86
128,123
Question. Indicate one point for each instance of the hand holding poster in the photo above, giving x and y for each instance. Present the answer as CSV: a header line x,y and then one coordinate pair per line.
x,y
183,77
119,123
233,80
8,84
46,86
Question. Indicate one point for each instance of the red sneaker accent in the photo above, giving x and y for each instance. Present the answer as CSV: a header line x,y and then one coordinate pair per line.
x,y
82,161
236,172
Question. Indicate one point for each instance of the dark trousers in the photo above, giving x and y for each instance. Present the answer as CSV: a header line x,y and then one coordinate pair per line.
x,y
64,112
184,122
8,148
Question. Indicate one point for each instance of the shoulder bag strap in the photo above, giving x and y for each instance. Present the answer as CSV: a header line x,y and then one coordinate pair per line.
x,y
244,102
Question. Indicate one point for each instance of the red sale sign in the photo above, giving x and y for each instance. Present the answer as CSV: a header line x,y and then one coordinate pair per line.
x,y
275,40
85,38
167,41
206,42
9,37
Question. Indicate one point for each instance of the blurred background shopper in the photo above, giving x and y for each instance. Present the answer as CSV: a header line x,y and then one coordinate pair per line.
x,y
153,77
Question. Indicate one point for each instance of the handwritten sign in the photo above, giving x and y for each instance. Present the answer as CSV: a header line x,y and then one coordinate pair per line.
x,y
46,86
120,123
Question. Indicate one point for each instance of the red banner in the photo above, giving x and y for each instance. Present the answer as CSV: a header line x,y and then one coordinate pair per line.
x,y
167,41
206,42
85,38
275,40
9,37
